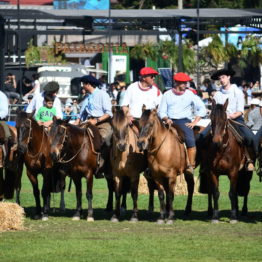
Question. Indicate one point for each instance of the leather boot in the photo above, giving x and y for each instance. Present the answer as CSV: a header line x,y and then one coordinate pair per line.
x,y
191,152
249,163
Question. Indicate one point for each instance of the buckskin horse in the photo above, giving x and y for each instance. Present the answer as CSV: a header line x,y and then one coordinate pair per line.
x,y
127,162
222,153
11,167
34,146
74,148
166,156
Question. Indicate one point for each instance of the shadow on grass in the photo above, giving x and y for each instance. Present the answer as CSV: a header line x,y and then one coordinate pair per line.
x,y
144,215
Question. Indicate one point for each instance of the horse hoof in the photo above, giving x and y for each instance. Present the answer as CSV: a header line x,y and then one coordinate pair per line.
x,y
75,218
160,221
122,211
45,218
214,221
133,220
170,222
233,221
114,220
90,219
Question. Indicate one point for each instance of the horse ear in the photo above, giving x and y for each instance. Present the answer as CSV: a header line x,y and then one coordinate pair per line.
x,y
30,115
225,105
54,118
143,108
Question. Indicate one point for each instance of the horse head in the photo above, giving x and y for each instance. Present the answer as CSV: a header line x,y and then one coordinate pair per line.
x,y
147,121
57,137
24,131
120,125
218,122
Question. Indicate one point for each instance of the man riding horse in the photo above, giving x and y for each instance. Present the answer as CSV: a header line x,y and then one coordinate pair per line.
x,y
235,111
176,107
97,110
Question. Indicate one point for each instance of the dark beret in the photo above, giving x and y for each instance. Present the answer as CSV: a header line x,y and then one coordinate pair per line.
x,y
51,87
88,79
221,72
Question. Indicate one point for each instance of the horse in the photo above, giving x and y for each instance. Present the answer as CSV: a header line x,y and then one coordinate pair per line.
x,y
167,159
73,147
34,148
222,153
127,163
11,167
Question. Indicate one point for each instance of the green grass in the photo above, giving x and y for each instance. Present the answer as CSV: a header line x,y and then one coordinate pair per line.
x,y
191,239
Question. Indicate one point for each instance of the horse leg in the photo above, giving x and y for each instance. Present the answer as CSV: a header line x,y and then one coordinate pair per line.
x,y
1,183
46,194
62,200
110,186
233,197
89,196
210,207
151,188
78,211
161,196
134,194
190,189
36,192
118,187
169,200
18,185
123,204
216,194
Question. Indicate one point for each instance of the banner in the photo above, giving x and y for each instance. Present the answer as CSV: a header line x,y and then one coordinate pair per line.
x,y
81,4
118,67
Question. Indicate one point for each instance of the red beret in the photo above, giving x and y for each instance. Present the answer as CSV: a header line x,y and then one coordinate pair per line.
x,y
181,77
148,71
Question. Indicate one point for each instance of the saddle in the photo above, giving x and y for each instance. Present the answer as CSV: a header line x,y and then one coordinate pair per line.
x,y
233,127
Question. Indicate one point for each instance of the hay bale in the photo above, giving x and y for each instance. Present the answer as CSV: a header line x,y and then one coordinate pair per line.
x,y
11,216
180,188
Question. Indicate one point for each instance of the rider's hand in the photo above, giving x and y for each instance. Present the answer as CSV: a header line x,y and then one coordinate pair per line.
x,y
92,121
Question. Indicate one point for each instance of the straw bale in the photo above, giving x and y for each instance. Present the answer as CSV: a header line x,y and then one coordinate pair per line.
x,y
180,188
11,216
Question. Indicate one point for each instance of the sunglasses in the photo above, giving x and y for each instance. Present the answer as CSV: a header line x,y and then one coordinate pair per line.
x,y
151,76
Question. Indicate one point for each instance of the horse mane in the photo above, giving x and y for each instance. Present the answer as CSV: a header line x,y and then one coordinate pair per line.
x,y
145,116
119,117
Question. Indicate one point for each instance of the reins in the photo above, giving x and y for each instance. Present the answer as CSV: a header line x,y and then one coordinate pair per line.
x,y
61,160
30,137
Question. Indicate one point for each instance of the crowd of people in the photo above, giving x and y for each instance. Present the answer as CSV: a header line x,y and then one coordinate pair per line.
x,y
182,105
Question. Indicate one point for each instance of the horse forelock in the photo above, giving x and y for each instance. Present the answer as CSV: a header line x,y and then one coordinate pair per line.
x,y
145,117
218,115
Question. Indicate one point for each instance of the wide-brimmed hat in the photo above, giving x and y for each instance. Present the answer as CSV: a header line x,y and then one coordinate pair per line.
x,y
148,71
182,77
255,101
221,72
89,79
51,87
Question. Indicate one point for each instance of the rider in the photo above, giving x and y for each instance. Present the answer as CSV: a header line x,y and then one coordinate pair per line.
x,y
97,110
235,110
38,100
142,92
3,115
176,107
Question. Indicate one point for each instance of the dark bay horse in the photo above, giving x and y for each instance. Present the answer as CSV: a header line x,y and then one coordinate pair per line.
x,y
127,161
34,147
223,154
166,159
11,167
74,149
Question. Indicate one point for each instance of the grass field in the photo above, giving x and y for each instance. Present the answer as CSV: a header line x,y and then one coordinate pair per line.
x,y
188,239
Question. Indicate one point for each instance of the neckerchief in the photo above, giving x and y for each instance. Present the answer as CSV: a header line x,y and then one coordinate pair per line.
x,y
178,93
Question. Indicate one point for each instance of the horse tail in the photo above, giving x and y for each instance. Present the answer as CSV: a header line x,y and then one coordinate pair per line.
x,y
243,182
9,183
203,183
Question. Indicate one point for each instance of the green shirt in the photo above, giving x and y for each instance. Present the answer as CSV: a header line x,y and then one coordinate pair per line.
x,y
45,114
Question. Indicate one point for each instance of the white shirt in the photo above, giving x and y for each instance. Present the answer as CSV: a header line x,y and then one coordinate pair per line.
x,y
235,96
38,101
135,98
36,85
3,105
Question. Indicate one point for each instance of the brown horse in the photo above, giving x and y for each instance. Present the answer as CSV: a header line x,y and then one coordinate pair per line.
x,y
166,159
34,146
11,167
126,160
223,154
73,148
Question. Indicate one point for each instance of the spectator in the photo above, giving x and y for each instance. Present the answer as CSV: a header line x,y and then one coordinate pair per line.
x,y
120,95
35,86
254,117
9,89
68,113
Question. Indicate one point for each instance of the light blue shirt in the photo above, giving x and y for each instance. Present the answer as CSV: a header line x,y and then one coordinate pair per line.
x,y
3,105
181,106
96,104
